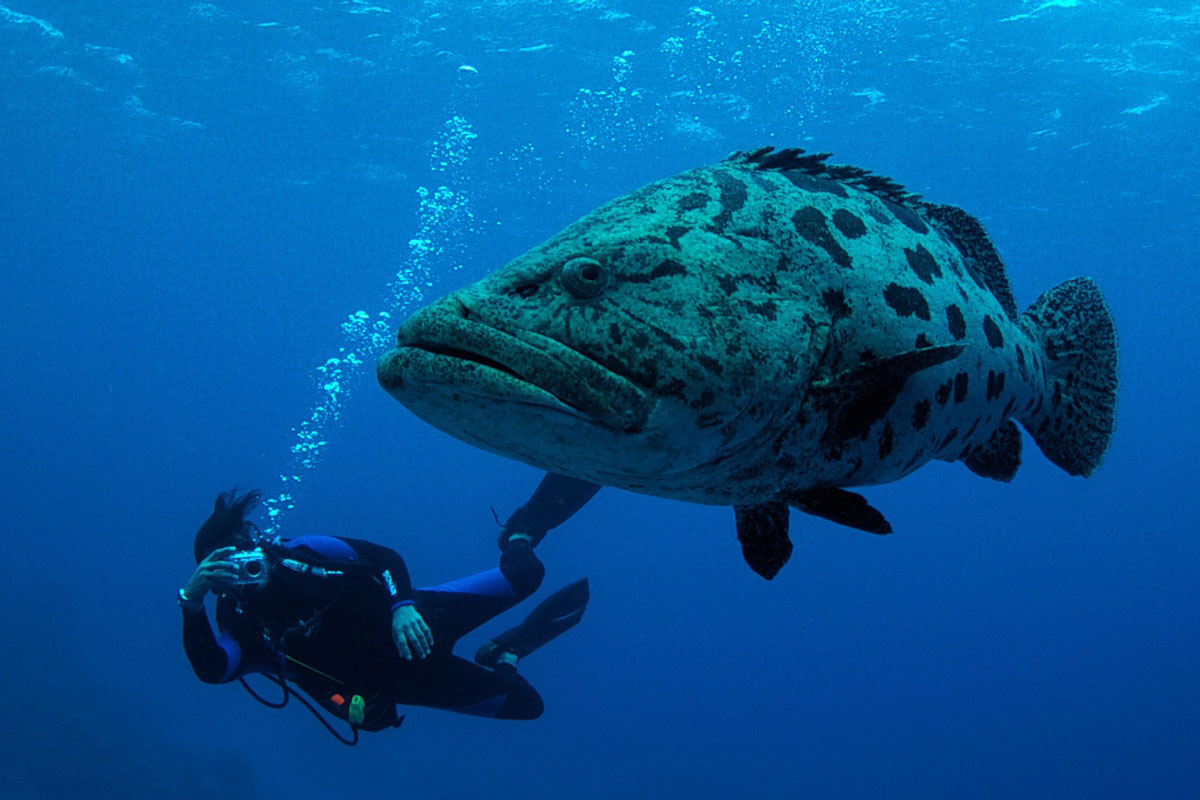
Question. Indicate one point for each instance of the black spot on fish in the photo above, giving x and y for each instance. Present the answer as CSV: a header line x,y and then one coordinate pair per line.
x,y
733,197
693,201
640,340
921,414
999,384
907,216
991,386
866,355
810,184
886,440
880,216
671,342
1056,400
992,331
810,223
950,437
835,302
942,395
675,388
912,462
711,364
615,334
923,264
1021,363
1008,409
906,302
922,341
960,387
664,269
766,309
710,420
646,374
675,233
851,226
667,268
728,284
971,429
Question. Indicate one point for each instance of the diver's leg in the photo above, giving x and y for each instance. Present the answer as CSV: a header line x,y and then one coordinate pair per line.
x,y
554,616
463,605
554,501
458,685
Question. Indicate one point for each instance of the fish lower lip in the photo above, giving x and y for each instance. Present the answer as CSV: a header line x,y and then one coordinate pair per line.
x,y
527,368
551,400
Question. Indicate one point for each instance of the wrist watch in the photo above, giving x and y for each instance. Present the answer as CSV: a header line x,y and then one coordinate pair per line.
x,y
187,603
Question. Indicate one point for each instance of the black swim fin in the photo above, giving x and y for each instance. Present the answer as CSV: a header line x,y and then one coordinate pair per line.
x,y
552,617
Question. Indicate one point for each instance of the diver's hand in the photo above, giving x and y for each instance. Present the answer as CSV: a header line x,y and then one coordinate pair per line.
x,y
410,633
214,573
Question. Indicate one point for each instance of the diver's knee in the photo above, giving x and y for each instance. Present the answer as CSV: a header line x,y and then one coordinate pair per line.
x,y
523,702
523,569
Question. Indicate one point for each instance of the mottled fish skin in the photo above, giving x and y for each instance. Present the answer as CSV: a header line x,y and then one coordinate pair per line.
x,y
712,354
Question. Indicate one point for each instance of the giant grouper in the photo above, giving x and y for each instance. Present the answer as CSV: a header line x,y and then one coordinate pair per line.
x,y
763,333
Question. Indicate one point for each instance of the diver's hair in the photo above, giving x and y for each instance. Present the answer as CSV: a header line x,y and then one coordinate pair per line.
x,y
227,524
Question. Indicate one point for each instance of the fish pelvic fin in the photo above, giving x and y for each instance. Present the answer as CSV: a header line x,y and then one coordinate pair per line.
x,y
999,457
842,507
1074,422
763,532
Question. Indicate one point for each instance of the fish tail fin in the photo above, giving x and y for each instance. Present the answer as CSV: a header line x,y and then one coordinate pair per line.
x,y
1074,421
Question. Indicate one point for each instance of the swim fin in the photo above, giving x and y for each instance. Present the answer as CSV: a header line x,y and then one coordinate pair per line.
x,y
552,617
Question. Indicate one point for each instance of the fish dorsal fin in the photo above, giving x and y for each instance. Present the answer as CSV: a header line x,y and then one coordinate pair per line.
x,y
999,457
859,397
795,159
842,507
964,230
977,250
763,532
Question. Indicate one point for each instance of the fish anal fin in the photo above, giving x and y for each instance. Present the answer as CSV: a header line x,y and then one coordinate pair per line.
x,y
842,507
859,397
999,457
763,532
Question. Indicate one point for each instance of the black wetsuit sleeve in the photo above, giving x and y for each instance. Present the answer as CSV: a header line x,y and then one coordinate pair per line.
x,y
209,660
554,501
389,565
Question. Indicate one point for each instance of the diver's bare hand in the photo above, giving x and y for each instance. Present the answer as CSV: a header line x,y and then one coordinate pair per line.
x,y
410,633
214,573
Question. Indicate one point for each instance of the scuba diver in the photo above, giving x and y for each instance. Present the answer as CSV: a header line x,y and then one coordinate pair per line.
x,y
341,620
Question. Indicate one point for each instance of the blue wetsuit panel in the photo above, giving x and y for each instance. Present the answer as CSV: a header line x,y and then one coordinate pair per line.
x,y
323,546
487,584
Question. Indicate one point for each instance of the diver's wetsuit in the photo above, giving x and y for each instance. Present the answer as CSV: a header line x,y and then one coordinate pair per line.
x,y
332,635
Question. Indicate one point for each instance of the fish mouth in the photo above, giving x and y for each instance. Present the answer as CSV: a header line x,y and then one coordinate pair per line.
x,y
470,357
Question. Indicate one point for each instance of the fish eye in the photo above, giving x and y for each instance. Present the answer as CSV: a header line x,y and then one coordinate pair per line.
x,y
584,277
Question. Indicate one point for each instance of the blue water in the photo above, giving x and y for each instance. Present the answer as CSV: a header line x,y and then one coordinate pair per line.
x,y
197,198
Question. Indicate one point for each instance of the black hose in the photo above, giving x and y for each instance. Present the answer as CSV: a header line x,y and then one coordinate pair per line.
x,y
287,695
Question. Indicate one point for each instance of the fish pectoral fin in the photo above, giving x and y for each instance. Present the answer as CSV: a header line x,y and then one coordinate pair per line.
x,y
859,397
999,457
842,507
763,532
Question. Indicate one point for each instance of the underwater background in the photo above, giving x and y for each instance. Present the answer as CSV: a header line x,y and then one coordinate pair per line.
x,y
215,214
